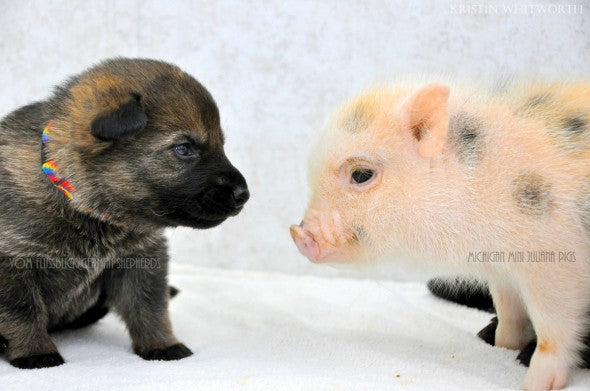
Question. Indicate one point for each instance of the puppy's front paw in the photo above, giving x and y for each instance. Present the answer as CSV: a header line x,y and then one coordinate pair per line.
x,y
174,352
38,361
488,333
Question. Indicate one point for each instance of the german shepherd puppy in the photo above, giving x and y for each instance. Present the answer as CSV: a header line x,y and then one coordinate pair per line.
x,y
89,178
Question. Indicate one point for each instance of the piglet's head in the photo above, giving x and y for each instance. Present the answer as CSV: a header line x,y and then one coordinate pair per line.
x,y
369,172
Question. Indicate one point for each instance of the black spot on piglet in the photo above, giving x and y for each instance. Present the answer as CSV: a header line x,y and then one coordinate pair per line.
x,y
532,194
575,124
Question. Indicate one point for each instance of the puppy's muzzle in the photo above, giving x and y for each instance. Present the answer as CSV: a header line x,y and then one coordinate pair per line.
x,y
229,192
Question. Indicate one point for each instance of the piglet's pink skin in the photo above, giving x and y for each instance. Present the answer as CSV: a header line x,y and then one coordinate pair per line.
x,y
328,241
433,174
306,243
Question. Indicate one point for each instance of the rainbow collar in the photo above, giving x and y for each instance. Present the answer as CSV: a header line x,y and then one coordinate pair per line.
x,y
50,168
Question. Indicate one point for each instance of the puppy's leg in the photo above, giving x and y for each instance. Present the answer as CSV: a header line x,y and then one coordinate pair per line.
x,y
514,330
29,346
559,316
140,295
23,321
91,316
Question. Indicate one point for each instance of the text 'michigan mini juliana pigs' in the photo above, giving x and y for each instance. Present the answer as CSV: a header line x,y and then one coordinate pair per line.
x,y
435,174
90,178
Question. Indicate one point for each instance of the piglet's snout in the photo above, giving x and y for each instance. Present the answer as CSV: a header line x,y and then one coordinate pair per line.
x,y
305,242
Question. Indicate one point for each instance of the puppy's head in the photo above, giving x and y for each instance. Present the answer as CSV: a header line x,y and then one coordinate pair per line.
x,y
141,142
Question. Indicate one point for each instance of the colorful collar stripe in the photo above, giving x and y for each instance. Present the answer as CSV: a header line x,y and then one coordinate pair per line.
x,y
50,168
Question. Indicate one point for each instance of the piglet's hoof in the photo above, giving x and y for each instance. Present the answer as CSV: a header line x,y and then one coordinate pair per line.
x,y
525,355
488,333
38,361
174,352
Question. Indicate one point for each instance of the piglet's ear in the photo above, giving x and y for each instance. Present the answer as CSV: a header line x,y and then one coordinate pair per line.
x,y
127,119
425,114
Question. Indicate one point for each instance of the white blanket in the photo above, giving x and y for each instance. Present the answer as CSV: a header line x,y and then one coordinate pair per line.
x,y
254,330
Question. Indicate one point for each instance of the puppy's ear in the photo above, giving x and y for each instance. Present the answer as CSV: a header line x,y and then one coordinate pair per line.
x,y
127,119
426,116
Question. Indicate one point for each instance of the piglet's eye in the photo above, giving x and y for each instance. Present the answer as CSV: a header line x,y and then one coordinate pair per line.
x,y
361,175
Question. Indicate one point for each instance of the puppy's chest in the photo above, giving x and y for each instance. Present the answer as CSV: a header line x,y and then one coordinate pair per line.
x,y
70,273
94,244
72,276
63,279
69,293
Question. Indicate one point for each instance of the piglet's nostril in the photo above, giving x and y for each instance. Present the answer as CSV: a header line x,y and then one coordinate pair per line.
x,y
305,242
241,195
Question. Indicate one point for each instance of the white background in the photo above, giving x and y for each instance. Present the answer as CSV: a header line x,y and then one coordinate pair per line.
x,y
277,68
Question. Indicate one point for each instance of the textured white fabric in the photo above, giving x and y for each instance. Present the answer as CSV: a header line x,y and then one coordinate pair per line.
x,y
257,331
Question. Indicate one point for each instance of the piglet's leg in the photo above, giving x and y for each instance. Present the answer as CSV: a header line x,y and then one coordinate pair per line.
x,y
559,318
514,330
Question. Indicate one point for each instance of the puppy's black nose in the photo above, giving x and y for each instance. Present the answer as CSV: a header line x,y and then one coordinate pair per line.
x,y
241,195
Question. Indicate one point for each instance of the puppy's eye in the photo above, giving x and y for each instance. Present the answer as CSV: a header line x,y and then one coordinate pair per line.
x,y
361,175
185,150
